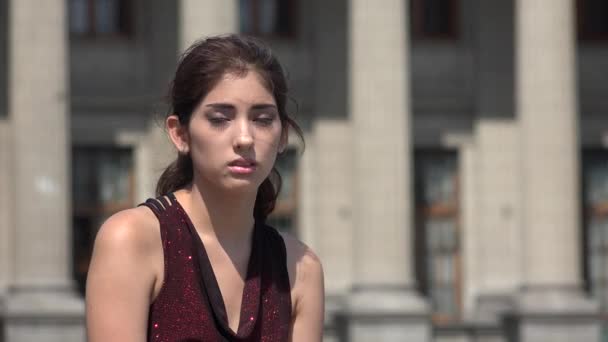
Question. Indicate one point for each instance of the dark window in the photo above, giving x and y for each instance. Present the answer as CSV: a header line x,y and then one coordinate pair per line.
x,y
434,19
102,184
595,223
284,216
100,18
592,19
437,232
268,18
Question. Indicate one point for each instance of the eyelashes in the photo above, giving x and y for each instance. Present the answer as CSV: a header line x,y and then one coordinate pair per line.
x,y
262,121
218,121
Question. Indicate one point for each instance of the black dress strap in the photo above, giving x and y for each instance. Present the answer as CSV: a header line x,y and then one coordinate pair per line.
x,y
151,203
159,205
163,201
172,197
275,253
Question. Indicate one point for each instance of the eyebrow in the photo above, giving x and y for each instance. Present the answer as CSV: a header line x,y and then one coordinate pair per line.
x,y
228,106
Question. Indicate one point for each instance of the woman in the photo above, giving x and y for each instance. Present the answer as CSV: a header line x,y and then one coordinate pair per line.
x,y
198,263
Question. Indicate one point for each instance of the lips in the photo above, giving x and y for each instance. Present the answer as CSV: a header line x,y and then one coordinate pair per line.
x,y
243,162
242,166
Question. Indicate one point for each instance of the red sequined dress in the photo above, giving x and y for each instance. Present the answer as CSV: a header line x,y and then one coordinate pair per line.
x,y
189,306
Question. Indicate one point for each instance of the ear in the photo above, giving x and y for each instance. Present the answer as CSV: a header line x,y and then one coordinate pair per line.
x,y
284,139
178,134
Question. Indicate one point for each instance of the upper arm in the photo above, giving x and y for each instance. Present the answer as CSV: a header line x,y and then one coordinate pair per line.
x,y
307,271
120,279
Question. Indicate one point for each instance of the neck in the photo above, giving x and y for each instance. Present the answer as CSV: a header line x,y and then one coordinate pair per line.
x,y
216,213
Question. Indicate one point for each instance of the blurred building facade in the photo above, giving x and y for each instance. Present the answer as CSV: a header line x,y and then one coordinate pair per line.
x,y
454,181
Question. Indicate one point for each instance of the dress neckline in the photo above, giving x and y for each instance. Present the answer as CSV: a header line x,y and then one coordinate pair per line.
x,y
250,299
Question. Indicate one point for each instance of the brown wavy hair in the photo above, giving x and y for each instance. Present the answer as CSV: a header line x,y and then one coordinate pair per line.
x,y
199,69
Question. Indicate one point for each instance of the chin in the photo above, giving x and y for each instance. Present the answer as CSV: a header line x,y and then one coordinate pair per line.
x,y
242,185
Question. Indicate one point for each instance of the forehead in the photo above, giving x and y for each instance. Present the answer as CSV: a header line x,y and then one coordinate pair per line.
x,y
245,88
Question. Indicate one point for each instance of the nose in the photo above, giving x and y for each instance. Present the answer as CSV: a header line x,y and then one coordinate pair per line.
x,y
244,138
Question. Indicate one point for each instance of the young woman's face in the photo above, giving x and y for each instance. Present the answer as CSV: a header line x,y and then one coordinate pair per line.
x,y
235,133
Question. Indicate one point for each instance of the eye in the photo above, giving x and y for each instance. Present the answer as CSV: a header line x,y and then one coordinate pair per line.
x,y
218,120
265,120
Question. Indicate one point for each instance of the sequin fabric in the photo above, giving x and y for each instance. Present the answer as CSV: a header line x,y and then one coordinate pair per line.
x,y
190,307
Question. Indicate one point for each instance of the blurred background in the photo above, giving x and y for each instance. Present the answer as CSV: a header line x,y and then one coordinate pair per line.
x,y
454,181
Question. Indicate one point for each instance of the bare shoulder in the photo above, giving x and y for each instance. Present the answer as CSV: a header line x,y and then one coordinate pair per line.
x,y
125,266
130,242
128,246
300,252
136,229
307,291
304,266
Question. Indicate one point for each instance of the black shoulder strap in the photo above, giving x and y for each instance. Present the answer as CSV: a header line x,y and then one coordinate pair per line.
x,y
158,205
277,242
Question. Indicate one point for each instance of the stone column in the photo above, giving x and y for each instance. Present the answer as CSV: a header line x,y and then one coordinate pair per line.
x,y
200,18
498,184
6,208
551,305
42,303
384,305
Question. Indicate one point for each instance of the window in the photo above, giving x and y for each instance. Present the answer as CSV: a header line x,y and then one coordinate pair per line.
x,y
434,19
437,232
100,18
592,20
595,223
102,184
284,215
268,18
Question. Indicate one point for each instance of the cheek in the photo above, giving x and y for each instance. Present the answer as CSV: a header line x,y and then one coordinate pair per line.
x,y
267,143
202,137
268,147
272,137
205,148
